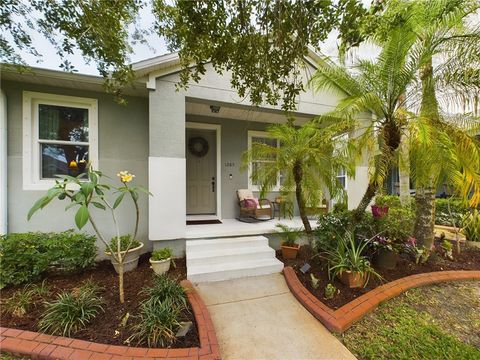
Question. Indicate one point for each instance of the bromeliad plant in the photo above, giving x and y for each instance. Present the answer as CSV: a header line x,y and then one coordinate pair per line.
x,y
85,191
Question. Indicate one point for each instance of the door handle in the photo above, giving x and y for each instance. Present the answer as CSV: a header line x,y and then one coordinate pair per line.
x,y
213,184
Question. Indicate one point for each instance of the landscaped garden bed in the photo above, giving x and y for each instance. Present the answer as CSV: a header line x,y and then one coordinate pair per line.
x,y
468,259
112,325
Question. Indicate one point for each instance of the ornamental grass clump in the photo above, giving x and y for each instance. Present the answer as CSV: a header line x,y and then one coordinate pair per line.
x,y
84,192
72,311
160,313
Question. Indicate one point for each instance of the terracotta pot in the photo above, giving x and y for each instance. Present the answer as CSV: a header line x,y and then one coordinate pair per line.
x,y
352,279
130,262
290,252
378,211
160,266
386,259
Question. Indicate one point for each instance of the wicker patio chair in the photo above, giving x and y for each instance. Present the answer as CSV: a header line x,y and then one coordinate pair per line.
x,y
250,207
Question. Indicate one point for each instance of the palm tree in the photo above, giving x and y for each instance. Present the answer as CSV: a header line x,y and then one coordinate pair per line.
x,y
379,87
309,159
441,149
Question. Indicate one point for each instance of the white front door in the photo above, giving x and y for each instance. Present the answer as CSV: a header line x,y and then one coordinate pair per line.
x,y
201,171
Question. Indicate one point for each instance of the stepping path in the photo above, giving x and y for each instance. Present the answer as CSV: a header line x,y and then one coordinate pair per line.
x,y
258,318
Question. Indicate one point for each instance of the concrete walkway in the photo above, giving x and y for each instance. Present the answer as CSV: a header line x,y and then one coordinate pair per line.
x,y
258,318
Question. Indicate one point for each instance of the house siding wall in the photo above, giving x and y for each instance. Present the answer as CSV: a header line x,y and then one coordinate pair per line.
x,y
123,145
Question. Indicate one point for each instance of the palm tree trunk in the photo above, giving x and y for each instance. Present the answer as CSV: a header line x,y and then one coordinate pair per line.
x,y
425,193
366,199
425,217
298,177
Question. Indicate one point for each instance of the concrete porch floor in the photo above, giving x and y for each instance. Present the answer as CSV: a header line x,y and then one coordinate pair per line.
x,y
258,318
234,227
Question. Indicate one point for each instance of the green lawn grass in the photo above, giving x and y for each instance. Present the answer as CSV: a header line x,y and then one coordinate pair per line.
x,y
399,329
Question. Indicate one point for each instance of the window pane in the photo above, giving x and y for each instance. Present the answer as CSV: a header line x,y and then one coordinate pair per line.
x,y
63,160
342,181
267,141
62,123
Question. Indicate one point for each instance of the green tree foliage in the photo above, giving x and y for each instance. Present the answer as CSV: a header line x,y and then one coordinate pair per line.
x,y
261,42
98,29
309,159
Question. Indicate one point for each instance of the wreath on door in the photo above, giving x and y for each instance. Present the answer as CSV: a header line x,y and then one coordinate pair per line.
x,y
198,146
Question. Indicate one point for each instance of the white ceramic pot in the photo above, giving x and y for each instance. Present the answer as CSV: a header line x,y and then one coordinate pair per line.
x,y
130,262
160,266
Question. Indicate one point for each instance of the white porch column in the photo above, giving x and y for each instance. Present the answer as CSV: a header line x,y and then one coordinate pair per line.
x,y
3,163
166,163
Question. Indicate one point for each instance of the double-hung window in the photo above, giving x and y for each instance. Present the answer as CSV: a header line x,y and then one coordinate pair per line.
x,y
340,144
257,163
60,137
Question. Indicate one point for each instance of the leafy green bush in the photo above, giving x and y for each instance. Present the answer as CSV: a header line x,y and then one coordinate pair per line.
x,y
392,201
471,226
397,225
25,256
161,254
160,313
72,311
452,217
126,243
288,234
333,225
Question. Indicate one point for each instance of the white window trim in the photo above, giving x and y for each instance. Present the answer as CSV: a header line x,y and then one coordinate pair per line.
x,y
264,134
31,153
342,137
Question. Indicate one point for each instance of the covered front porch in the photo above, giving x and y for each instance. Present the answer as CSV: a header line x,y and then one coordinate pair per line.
x,y
234,227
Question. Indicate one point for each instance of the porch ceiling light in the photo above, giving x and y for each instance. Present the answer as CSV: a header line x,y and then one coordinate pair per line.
x,y
215,109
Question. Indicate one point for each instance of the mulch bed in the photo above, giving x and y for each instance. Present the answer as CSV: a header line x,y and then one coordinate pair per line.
x,y
106,328
468,259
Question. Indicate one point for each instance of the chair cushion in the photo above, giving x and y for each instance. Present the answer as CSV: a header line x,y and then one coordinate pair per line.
x,y
264,206
245,194
250,203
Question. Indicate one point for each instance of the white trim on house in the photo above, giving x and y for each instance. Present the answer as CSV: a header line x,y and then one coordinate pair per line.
x,y
31,152
218,146
263,134
3,164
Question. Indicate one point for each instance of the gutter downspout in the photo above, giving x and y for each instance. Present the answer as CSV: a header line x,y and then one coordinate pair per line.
x,y
3,163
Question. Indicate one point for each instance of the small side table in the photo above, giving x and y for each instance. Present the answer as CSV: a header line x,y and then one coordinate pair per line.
x,y
281,207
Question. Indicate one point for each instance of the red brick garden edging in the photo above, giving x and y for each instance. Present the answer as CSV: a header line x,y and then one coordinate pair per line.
x,y
341,319
42,346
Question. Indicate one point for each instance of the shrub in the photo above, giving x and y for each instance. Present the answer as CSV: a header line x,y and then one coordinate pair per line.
x,y
471,226
160,313
289,235
25,256
72,311
392,201
22,299
452,217
162,254
157,324
332,226
397,225
126,243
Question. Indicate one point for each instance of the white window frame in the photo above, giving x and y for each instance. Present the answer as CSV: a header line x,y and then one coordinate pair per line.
x,y
31,149
342,137
263,134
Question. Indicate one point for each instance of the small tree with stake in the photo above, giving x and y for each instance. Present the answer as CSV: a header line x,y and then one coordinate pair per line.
x,y
85,191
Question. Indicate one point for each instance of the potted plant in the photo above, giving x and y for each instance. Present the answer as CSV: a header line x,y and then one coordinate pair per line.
x,y
348,264
160,260
471,228
289,238
129,250
386,252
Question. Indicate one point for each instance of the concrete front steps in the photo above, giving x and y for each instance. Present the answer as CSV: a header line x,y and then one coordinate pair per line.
x,y
230,258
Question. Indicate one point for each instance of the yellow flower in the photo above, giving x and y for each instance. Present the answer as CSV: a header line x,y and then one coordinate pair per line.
x,y
73,164
125,176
